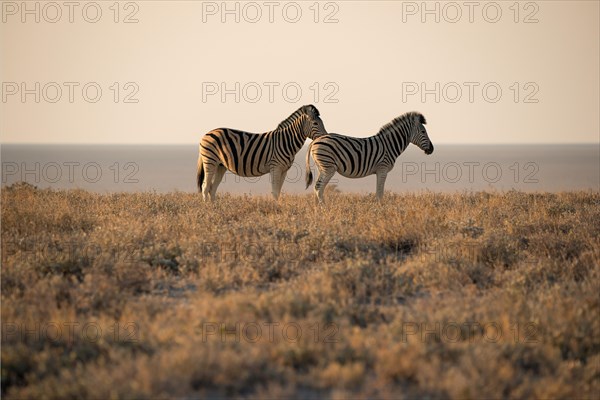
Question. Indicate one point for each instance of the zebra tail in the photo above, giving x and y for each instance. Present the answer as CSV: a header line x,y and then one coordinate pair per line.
x,y
200,174
309,175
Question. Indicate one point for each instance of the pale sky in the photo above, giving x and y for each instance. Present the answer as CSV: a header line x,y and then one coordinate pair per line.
x,y
369,64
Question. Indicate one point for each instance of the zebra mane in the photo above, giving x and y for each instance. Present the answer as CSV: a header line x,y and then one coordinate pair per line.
x,y
407,118
301,111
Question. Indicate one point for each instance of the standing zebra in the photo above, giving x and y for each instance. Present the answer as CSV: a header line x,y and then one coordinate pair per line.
x,y
250,154
360,157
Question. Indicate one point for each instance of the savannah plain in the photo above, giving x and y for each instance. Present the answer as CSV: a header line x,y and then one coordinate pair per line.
x,y
146,295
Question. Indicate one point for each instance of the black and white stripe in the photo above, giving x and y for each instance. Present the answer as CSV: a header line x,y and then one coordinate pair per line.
x,y
359,157
249,154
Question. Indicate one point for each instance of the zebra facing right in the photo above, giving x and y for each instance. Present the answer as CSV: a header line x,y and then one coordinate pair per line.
x,y
252,155
359,157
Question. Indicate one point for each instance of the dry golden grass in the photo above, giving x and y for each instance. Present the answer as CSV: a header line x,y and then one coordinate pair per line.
x,y
400,299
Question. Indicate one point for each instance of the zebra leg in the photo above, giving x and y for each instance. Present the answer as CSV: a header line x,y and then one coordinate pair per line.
x,y
281,181
277,176
381,175
209,173
217,180
322,181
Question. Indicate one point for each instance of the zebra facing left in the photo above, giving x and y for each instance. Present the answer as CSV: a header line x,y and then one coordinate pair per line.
x,y
252,155
359,157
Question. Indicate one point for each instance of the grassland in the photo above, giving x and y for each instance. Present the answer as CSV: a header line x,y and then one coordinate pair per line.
x,y
146,295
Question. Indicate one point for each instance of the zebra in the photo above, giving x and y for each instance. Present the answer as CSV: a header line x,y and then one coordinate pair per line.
x,y
360,157
252,155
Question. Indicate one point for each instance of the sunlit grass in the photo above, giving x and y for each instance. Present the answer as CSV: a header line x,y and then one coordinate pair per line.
x,y
403,298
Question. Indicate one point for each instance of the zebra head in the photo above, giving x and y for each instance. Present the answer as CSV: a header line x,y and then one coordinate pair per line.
x,y
313,125
419,135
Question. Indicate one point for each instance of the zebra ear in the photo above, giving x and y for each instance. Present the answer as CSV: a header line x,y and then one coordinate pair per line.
x,y
422,119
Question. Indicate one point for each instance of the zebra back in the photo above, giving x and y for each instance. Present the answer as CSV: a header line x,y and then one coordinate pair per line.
x,y
249,154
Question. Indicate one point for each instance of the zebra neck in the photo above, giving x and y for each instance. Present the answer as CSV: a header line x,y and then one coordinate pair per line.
x,y
293,135
395,142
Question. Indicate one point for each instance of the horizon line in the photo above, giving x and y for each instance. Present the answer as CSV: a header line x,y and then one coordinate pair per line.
x,y
196,144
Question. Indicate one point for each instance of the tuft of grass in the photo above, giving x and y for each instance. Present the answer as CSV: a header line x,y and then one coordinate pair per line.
x,y
472,295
